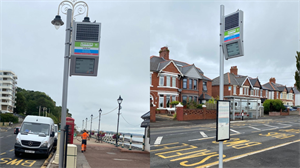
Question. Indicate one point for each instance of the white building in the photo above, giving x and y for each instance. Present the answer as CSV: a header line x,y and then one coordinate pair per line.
x,y
297,96
8,81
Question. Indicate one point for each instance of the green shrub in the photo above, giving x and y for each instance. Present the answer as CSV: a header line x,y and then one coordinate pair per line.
x,y
277,105
175,116
174,103
199,106
8,117
191,105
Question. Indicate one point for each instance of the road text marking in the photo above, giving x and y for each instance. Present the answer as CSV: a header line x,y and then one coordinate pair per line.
x,y
158,140
203,134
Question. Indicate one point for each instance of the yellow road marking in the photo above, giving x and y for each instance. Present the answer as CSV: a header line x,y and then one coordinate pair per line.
x,y
247,154
3,153
12,150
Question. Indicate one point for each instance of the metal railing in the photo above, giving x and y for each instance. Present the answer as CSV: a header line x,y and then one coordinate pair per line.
x,y
126,140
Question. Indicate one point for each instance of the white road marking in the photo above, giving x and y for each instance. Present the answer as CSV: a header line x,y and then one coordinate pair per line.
x,y
235,131
123,159
254,128
285,126
203,134
201,139
270,126
158,140
111,153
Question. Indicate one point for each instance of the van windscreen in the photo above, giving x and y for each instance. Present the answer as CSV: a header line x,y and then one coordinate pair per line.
x,y
35,128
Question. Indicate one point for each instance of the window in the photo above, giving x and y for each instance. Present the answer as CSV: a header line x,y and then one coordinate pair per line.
x,y
195,99
184,83
161,101
190,83
195,84
173,98
150,79
168,81
168,101
161,80
251,92
241,91
261,92
267,93
204,86
173,81
191,98
184,100
234,90
287,96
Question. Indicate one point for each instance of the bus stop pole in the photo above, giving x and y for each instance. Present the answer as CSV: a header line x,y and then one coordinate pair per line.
x,y
221,77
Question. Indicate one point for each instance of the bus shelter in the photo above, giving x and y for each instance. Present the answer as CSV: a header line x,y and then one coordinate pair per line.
x,y
248,105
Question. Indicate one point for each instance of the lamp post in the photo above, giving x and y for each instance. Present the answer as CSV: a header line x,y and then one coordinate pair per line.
x,y
85,123
82,125
119,101
69,9
100,111
91,125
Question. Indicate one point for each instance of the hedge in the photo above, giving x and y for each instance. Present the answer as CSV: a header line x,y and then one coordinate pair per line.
x,y
8,117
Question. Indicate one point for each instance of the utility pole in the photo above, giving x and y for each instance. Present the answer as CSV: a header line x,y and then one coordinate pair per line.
x,y
99,121
39,110
82,125
91,125
86,124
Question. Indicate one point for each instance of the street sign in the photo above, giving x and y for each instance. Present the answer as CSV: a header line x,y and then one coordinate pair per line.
x,y
223,122
232,42
85,49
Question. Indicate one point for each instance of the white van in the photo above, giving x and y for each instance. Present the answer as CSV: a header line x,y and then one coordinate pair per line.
x,y
35,136
55,134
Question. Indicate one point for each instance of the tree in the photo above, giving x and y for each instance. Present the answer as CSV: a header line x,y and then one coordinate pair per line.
x,y
21,103
297,72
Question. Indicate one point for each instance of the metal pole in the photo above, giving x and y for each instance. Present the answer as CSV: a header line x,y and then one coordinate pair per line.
x,y
91,125
82,125
86,123
99,125
65,87
39,110
221,78
118,127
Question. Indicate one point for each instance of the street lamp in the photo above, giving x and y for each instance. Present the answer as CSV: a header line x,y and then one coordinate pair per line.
x,y
85,123
100,111
68,8
119,101
91,125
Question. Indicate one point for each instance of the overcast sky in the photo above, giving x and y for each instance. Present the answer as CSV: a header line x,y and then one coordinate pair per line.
x,y
33,49
191,31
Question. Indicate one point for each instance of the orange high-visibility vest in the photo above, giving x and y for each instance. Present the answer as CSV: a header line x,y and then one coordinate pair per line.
x,y
84,135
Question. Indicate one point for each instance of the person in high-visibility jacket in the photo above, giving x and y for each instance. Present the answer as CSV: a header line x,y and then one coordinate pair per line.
x,y
84,138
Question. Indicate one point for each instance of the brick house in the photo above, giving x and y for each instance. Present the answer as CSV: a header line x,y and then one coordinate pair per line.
x,y
172,80
279,91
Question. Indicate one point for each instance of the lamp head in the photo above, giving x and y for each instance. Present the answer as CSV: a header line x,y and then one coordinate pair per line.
x,y
120,100
100,111
86,19
57,22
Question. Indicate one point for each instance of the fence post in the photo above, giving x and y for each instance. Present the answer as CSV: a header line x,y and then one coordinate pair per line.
x,y
130,142
123,141
143,143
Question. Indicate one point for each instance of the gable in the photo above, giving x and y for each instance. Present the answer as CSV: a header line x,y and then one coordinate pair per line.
x,y
170,68
193,73
247,83
257,84
284,90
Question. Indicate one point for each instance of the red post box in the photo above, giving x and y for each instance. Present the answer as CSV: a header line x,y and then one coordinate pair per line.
x,y
70,122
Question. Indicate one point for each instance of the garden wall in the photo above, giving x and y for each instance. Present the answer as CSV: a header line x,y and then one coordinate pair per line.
x,y
199,114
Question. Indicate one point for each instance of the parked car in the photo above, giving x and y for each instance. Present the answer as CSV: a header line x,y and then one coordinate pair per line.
x,y
16,129
36,136
289,107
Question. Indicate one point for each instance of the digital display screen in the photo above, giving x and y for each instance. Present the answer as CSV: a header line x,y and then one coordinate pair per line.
x,y
233,49
232,21
84,65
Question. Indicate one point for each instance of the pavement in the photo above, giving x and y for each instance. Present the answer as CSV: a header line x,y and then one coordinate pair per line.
x,y
107,155
164,120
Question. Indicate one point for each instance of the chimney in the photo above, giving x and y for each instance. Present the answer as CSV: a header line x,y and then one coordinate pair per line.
x,y
164,53
273,80
234,70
